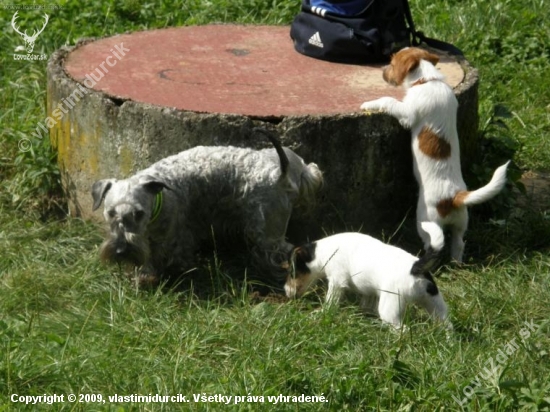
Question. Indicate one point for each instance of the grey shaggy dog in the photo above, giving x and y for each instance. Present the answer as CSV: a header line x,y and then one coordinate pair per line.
x,y
159,216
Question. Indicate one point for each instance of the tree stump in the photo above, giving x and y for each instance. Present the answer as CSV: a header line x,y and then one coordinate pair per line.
x,y
118,104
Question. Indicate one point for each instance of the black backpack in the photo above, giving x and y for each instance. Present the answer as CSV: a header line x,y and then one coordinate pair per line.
x,y
357,31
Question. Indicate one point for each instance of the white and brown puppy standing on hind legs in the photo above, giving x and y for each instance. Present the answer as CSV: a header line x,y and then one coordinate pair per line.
x,y
429,111
386,277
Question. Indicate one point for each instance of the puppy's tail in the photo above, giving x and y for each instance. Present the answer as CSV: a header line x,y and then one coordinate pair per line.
x,y
280,151
484,193
432,258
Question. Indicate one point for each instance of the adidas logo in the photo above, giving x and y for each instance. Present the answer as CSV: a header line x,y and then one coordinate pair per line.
x,y
315,40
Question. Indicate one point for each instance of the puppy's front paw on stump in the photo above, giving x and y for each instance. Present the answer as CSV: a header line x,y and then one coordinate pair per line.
x,y
368,112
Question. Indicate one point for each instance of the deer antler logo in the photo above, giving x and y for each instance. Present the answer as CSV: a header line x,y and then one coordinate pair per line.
x,y
29,40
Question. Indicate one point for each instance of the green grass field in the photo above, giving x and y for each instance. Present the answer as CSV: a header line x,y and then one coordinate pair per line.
x,y
69,325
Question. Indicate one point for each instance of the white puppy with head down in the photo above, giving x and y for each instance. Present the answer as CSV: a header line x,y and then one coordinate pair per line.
x,y
429,111
380,273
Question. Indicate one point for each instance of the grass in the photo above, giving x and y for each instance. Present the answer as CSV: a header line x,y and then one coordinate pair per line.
x,y
71,325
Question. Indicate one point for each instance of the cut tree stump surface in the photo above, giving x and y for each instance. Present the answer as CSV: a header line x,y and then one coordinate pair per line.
x,y
230,69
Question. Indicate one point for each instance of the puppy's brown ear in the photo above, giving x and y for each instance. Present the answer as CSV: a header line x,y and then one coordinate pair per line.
x,y
294,255
301,256
432,58
300,252
305,253
408,60
403,63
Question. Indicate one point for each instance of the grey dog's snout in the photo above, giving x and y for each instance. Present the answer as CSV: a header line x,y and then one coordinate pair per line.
x,y
121,247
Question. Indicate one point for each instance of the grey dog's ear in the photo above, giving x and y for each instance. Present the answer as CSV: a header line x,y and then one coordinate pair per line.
x,y
153,184
99,190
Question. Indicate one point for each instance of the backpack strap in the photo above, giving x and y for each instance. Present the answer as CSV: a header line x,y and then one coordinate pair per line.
x,y
419,37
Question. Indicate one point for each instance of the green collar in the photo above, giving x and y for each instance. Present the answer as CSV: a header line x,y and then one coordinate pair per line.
x,y
157,208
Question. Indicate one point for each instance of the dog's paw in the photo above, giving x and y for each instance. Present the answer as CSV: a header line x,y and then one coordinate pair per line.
x,y
383,104
146,280
369,112
398,329
370,107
